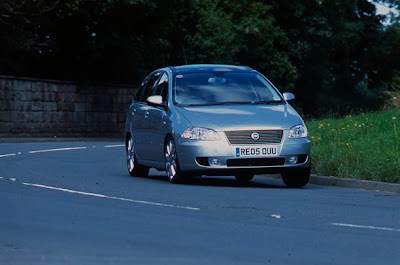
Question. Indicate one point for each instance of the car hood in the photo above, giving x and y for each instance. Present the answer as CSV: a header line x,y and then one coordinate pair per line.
x,y
242,117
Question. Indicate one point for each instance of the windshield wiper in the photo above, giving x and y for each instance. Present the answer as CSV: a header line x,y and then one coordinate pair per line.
x,y
219,103
267,102
232,103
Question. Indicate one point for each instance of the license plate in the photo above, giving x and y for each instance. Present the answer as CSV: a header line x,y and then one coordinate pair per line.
x,y
256,151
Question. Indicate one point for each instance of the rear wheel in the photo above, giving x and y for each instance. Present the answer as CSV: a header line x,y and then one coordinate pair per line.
x,y
244,177
134,168
296,177
174,173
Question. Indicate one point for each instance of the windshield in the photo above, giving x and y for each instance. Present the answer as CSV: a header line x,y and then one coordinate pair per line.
x,y
217,88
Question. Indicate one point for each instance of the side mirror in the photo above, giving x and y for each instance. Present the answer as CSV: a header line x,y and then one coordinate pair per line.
x,y
288,96
155,100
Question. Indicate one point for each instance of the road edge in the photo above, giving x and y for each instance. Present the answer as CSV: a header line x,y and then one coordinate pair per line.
x,y
354,183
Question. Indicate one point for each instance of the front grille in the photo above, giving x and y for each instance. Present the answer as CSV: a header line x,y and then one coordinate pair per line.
x,y
255,162
244,137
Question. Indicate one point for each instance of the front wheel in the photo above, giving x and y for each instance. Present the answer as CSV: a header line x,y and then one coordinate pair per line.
x,y
296,177
134,169
174,173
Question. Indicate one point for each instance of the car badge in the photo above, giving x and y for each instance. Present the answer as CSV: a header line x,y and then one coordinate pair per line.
x,y
255,136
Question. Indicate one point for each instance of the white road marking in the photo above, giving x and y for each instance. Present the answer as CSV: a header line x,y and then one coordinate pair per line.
x,y
13,179
1,177
277,216
367,227
114,145
58,149
6,155
111,197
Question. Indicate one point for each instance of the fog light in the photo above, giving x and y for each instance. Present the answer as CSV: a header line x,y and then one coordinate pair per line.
x,y
293,159
214,161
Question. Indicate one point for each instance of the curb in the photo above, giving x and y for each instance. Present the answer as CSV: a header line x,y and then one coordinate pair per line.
x,y
354,183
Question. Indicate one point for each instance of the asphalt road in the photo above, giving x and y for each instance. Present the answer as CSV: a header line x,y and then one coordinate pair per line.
x,y
79,206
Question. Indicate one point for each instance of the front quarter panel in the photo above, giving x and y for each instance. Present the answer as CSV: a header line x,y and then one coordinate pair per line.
x,y
177,124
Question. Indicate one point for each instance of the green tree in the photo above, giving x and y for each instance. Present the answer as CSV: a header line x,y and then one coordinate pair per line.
x,y
334,54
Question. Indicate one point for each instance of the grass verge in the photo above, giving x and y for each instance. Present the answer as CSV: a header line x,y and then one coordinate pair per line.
x,y
365,146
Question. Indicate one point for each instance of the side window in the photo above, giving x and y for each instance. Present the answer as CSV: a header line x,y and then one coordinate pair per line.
x,y
139,92
149,86
162,87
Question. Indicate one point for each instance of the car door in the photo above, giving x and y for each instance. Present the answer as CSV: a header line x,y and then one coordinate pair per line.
x,y
134,106
141,113
156,122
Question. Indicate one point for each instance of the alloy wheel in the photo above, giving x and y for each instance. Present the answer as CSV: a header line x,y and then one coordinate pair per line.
x,y
171,162
130,153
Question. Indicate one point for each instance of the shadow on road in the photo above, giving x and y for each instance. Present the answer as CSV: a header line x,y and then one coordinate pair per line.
x,y
257,182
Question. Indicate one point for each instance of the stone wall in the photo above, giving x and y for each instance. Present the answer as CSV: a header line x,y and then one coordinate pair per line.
x,y
48,108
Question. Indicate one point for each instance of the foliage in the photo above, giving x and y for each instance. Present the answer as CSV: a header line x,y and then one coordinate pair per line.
x,y
365,146
336,55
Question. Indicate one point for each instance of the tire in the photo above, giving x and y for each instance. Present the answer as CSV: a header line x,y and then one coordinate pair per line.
x,y
174,173
134,168
296,178
244,178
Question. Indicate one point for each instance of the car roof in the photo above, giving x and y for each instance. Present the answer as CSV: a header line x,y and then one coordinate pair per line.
x,y
208,67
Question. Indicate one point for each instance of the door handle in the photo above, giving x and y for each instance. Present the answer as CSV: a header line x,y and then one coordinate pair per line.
x,y
147,114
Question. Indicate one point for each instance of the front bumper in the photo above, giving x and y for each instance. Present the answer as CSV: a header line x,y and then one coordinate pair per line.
x,y
220,158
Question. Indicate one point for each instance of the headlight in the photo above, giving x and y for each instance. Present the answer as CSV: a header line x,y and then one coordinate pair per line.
x,y
197,133
298,131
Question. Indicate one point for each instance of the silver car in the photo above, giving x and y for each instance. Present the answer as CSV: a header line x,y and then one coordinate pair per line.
x,y
196,120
